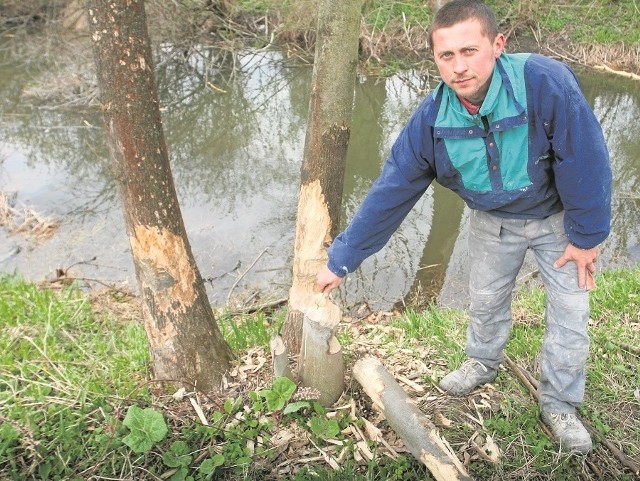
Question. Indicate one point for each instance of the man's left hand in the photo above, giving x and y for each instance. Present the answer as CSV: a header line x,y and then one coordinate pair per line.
x,y
585,259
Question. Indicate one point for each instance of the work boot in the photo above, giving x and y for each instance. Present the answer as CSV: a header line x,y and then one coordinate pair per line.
x,y
467,377
568,431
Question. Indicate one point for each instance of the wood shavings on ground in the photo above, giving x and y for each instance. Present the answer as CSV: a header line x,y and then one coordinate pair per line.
x,y
367,436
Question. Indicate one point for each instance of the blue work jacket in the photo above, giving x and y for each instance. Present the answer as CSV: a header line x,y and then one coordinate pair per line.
x,y
533,149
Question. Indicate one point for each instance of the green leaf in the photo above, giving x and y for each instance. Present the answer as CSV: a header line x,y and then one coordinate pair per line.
x,y
285,386
44,469
178,455
280,393
217,416
147,427
296,406
317,407
218,460
180,474
324,428
207,467
8,438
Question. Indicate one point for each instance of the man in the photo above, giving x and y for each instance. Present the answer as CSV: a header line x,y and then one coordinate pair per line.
x,y
513,135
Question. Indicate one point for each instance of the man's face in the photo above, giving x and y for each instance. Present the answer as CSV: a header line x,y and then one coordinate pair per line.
x,y
466,58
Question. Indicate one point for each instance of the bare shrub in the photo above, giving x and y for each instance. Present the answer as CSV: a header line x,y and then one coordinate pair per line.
x,y
7,213
29,222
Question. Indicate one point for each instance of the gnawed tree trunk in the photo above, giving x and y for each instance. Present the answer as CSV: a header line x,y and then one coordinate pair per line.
x,y
320,363
418,433
185,343
280,359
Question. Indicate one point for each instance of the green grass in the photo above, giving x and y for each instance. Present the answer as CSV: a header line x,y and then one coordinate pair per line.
x,y
246,331
63,378
586,21
382,14
68,377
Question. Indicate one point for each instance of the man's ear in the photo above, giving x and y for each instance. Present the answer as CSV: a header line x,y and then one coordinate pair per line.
x,y
498,45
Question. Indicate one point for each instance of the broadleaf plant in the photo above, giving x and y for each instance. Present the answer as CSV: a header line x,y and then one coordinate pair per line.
x,y
146,428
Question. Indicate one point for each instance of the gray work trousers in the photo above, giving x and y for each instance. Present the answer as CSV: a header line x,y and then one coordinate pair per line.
x,y
497,248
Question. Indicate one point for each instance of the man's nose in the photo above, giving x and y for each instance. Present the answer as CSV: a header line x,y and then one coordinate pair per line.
x,y
459,65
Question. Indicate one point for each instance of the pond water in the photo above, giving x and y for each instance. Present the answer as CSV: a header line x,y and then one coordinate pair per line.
x,y
235,143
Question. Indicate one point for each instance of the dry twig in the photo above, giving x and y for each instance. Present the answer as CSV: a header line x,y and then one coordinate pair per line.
x,y
532,385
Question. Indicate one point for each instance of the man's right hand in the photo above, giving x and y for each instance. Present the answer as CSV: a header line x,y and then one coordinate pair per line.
x,y
326,281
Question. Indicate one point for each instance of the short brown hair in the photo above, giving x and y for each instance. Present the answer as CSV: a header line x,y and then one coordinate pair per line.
x,y
460,10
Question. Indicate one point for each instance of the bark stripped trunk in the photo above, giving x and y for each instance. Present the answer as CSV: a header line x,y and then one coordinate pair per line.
x,y
418,433
330,109
185,343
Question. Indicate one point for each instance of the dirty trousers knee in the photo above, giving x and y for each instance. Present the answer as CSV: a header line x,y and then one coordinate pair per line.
x,y
497,248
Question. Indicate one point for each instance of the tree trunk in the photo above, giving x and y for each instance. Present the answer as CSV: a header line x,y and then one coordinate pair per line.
x,y
185,342
320,198
418,433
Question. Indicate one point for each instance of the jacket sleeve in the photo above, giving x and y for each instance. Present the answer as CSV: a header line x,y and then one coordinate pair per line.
x,y
581,168
405,176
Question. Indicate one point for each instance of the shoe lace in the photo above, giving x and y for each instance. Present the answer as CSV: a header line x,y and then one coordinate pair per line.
x,y
566,418
470,363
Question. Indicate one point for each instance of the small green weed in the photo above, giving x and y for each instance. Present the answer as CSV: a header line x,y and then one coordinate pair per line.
x,y
279,394
244,332
147,428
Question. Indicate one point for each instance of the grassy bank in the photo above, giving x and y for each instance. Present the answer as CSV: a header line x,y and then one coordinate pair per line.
x,y
75,401
393,33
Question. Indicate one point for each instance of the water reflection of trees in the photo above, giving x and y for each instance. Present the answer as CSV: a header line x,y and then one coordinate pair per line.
x,y
235,128
227,146
617,106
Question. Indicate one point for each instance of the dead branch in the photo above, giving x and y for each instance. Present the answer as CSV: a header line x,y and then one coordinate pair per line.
x,y
532,384
245,273
630,75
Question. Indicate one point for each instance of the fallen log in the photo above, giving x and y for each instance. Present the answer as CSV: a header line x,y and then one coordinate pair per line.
x,y
419,434
630,75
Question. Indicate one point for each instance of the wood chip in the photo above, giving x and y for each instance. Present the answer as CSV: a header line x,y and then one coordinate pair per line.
x,y
364,449
198,411
372,431
413,385
441,420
